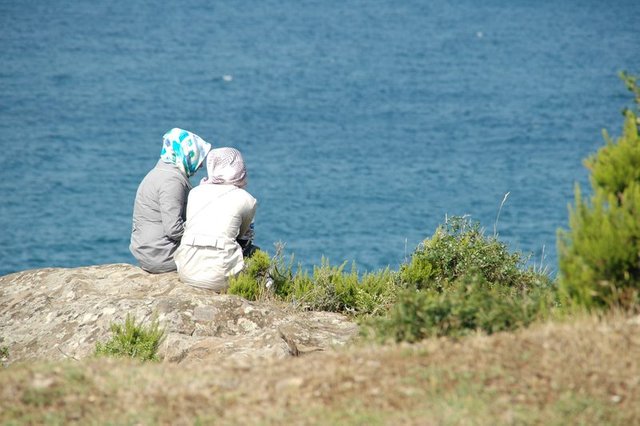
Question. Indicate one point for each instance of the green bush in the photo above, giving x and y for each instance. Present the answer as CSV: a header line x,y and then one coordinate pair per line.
x,y
133,340
460,281
467,305
251,282
264,277
327,288
598,256
377,292
459,249
456,282
330,288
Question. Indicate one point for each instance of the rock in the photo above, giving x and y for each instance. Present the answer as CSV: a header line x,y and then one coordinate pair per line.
x,y
57,313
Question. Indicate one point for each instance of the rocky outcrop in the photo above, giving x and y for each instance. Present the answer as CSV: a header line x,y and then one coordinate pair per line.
x,y
59,313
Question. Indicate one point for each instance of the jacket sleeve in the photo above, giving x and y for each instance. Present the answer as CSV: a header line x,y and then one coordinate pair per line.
x,y
172,200
247,217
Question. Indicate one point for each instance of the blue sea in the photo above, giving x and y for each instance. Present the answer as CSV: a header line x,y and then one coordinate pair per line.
x,y
364,124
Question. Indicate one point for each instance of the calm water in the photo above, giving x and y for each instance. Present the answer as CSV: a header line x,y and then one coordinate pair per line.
x,y
363,123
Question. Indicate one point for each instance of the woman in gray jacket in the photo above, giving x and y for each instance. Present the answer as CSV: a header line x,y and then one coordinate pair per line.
x,y
160,207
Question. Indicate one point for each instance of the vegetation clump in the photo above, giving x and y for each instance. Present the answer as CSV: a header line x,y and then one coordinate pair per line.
x,y
133,340
327,288
467,307
460,281
4,352
251,283
459,249
456,282
599,255
330,288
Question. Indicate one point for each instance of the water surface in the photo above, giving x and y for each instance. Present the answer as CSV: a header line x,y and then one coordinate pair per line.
x,y
363,123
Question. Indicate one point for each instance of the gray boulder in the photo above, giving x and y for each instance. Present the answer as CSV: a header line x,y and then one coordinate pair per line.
x,y
57,313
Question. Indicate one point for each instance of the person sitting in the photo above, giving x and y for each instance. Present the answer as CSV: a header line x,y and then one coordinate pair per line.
x,y
220,212
159,210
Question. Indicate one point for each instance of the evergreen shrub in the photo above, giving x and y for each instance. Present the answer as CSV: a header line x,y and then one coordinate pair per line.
x,y
460,281
330,288
459,249
456,282
327,288
251,282
264,277
133,340
471,305
599,256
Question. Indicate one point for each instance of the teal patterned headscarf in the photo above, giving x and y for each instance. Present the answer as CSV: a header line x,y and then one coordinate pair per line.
x,y
184,149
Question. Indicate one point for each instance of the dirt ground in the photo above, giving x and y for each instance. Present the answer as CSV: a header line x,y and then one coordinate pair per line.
x,y
580,371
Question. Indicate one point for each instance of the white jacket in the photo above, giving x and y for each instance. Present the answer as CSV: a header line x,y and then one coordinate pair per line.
x,y
209,253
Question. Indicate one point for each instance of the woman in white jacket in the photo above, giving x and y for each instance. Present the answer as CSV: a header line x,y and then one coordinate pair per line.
x,y
219,211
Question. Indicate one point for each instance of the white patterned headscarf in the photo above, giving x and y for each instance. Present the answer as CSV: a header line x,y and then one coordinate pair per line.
x,y
184,149
225,166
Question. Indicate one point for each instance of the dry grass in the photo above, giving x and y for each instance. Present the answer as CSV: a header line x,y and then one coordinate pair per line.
x,y
582,371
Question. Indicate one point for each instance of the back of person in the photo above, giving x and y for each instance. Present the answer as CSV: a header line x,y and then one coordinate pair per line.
x,y
219,211
159,210
158,218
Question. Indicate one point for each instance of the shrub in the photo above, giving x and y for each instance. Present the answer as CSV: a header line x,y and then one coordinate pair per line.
x,y
264,276
377,292
459,249
133,340
460,281
251,282
330,288
456,282
327,288
468,305
598,256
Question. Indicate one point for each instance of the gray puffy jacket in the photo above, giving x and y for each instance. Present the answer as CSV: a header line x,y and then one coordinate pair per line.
x,y
158,217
